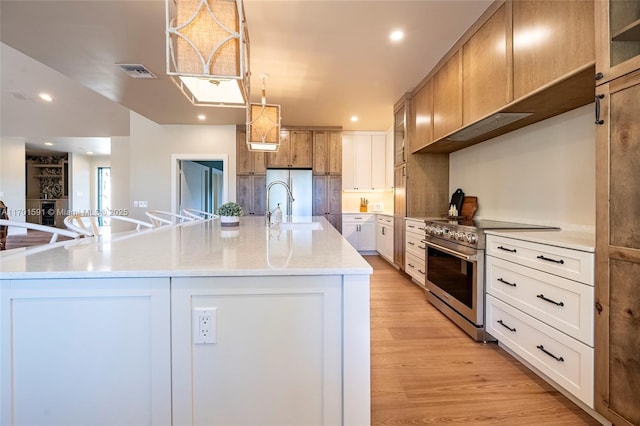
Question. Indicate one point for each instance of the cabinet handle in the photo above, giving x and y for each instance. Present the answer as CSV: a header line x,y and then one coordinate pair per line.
x,y
410,243
541,296
560,359
507,249
410,265
507,282
422,247
598,97
599,307
506,326
382,231
422,272
551,260
599,76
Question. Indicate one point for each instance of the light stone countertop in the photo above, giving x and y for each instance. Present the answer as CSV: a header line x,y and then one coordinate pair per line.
x,y
201,248
576,240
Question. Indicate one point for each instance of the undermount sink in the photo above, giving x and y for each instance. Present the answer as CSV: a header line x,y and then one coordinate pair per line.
x,y
300,226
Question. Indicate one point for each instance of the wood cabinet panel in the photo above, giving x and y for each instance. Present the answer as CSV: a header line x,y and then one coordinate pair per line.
x,y
624,340
296,150
327,198
447,97
301,149
487,68
617,38
282,157
624,203
550,40
327,152
251,193
248,162
617,329
423,107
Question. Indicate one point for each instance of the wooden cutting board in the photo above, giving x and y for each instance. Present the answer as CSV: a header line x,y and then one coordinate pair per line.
x,y
469,207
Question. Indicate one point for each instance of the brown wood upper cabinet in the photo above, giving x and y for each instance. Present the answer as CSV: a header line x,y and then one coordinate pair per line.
x,y
423,107
248,162
617,39
327,153
295,152
550,40
487,77
447,97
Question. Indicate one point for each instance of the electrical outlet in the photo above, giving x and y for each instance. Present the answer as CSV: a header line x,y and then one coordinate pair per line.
x,y
143,204
204,321
136,204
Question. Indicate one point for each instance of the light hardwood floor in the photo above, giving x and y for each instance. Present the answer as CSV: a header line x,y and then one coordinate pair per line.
x,y
425,370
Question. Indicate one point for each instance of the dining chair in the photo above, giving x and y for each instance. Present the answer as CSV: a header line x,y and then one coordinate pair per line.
x,y
78,223
199,214
55,232
160,218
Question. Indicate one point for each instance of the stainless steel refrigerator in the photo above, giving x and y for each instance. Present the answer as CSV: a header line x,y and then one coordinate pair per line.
x,y
300,182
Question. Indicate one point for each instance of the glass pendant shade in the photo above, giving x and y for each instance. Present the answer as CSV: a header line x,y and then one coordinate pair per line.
x,y
263,127
208,51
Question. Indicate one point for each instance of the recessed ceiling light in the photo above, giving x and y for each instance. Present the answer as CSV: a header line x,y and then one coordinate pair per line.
x,y
202,117
354,118
46,97
89,152
48,144
396,35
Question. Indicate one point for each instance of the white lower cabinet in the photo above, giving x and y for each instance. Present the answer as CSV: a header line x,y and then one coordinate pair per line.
x,y
384,237
538,309
85,352
414,253
360,231
277,356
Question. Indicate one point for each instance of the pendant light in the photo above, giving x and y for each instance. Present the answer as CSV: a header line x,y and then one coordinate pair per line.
x,y
263,124
208,51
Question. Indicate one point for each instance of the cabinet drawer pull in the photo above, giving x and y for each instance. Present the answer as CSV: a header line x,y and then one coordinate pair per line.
x,y
411,226
507,249
422,247
560,359
506,326
541,296
506,282
410,265
541,257
422,272
410,243
421,228
598,120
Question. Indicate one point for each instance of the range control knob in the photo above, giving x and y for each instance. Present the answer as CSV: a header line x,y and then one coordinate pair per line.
x,y
460,236
472,238
439,231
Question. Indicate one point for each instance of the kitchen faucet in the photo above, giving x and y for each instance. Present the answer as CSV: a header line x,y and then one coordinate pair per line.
x,y
290,198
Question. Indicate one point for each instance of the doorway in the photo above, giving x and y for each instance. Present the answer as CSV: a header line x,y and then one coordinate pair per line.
x,y
199,182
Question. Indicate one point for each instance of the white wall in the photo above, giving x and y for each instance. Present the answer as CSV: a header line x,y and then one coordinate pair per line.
x,y
80,188
148,153
12,179
543,173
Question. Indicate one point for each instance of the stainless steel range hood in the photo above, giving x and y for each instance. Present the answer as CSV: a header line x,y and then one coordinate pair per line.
x,y
487,125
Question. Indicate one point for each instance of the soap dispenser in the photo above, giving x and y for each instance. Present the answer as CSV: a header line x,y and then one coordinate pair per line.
x,y
277,214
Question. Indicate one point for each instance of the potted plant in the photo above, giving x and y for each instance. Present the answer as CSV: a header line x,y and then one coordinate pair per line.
x,y
229,214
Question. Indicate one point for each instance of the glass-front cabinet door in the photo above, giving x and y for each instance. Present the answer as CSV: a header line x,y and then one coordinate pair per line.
x,y
617,38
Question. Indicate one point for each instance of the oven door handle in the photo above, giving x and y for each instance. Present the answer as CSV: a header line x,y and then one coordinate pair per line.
x,y
470,258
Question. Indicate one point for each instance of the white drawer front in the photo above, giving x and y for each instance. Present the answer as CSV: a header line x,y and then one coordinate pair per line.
x,y
563,359
385,220
558,302
415,267
416,227
415,245
572,264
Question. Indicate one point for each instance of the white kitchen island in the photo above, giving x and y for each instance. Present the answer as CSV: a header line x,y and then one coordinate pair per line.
x,y
187,324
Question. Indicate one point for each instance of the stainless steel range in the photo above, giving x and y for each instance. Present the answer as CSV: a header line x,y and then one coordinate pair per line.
x,y
455,252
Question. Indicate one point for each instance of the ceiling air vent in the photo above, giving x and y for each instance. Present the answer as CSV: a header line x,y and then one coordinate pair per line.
x,y
136,71
487,125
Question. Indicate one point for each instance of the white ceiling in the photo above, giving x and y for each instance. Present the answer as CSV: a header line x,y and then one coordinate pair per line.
x,y
327,60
